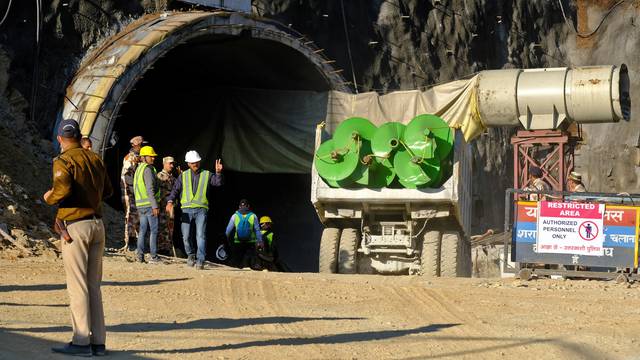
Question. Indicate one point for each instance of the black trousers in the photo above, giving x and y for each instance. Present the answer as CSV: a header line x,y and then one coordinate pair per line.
x,y
243,254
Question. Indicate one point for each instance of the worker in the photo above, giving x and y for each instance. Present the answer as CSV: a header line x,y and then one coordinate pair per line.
x,y
129,164
193,189
86,143
269,254
147,196
80,183
166,181
536,183
574,182
247,237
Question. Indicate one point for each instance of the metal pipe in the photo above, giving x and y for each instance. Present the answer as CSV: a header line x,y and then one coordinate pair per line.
x,y
545,98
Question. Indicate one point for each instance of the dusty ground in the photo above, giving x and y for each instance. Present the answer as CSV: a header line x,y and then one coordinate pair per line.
x,y
169,311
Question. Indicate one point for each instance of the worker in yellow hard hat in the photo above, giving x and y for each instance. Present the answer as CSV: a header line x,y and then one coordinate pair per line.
x,y
269,253
265,229
147,197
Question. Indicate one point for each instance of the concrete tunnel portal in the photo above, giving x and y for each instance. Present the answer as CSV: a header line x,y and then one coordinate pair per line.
x,y
206,81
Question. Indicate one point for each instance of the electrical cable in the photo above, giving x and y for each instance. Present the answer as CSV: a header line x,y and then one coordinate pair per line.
x,y
6,13
586,35
36,65
346,35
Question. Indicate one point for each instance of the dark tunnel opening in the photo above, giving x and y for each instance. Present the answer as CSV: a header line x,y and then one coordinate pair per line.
x,y
180,104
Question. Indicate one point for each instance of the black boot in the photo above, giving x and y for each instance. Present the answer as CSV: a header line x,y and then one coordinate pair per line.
x,y
74,350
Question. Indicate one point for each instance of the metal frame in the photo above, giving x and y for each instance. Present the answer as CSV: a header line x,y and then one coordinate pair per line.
x,y
559,160
509,210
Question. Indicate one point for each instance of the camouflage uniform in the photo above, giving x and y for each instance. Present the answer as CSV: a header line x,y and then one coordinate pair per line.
x,y
132,222
165,228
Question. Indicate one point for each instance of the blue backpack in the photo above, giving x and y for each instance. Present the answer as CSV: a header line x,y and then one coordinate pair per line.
x,y
244,226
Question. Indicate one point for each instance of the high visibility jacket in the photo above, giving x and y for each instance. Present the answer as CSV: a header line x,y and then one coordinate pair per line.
x,y
140,188
189,199
252,223
267,235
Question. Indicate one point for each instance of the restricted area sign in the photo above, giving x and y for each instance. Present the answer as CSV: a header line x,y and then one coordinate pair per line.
x,y
570,228
620,238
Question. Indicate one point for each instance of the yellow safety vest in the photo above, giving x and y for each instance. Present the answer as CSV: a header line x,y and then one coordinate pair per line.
x,y
140,188
189,200
267,235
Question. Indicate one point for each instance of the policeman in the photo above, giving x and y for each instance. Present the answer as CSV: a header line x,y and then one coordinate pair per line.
x,y
80,183
129,165
147,196
166,181
574,182
192,190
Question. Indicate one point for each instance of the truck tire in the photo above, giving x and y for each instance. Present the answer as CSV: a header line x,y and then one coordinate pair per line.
x,y
455,255
430,255
328,259
348,251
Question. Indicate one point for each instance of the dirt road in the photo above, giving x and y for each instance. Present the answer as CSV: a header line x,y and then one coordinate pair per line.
x,y
170,311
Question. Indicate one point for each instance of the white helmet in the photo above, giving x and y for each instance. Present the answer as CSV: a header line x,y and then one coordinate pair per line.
x,y
192,156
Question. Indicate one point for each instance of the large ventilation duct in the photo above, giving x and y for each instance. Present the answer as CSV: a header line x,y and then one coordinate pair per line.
x,y
546,98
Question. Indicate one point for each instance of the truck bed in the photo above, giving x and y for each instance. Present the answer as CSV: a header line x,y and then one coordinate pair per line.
x,y
455,192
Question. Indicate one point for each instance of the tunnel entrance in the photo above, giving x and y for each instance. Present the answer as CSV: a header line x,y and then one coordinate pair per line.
x,y
252,101
186,102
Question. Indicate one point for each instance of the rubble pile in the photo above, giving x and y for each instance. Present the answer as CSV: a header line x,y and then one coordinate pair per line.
x,y
23,227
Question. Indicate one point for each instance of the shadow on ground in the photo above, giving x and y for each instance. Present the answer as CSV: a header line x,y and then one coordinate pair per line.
x,y
46,305
19,347
49,287
200,324
325,339
577,351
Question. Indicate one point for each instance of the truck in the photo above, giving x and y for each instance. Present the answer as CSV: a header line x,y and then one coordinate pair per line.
x,y
387,230
426,231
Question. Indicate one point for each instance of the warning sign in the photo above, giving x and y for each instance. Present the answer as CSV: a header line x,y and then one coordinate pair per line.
x,y
570,228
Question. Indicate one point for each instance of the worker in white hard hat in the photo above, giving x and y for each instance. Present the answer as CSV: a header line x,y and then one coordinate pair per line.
x,y
574,182
191,190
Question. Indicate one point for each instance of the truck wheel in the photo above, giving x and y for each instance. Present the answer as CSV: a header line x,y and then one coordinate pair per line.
x,y
328,259
455,256
348,251
430,256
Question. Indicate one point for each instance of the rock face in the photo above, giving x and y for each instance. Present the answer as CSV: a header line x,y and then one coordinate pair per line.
x,y
389,44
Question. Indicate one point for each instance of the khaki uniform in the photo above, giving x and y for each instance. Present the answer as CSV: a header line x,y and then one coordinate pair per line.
x,y
579,188
80,183
538,185
131,220
165,233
